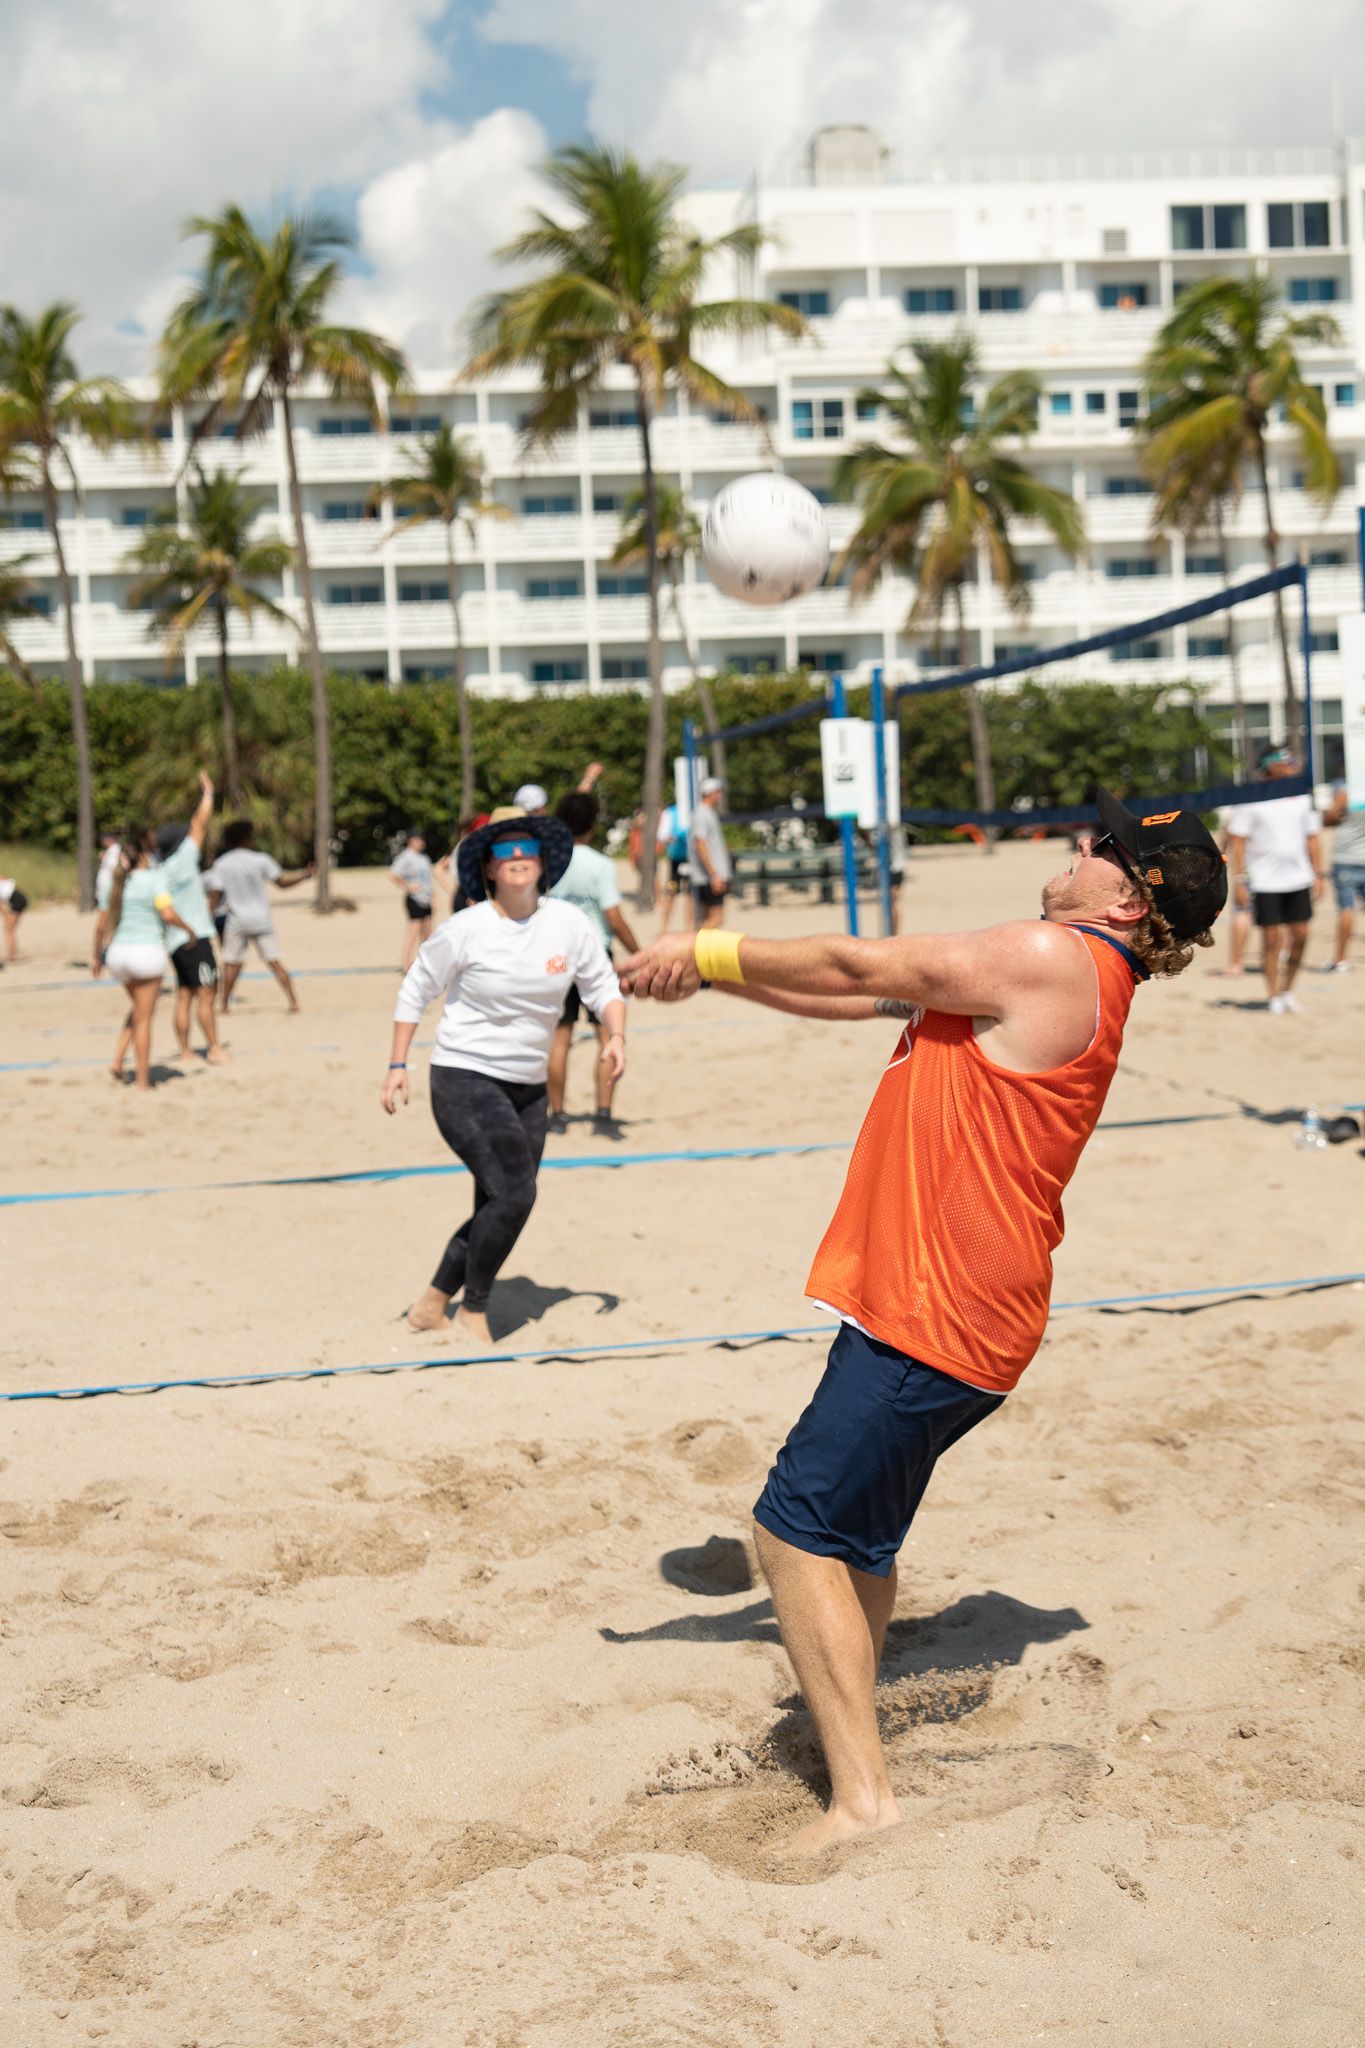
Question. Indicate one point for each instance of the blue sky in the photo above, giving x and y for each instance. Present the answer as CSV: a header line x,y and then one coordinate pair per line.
x,y
485,72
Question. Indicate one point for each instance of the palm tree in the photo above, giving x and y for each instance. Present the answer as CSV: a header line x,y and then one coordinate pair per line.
x,y
1193,498
248,333
43,403
679,535
1219,367
211,565
17,593
618,287
943,497
449,484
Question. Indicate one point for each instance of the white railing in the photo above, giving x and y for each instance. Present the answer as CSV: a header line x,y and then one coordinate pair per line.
x,y
365,456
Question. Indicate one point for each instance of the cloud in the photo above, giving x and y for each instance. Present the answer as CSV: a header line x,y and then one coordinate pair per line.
x,y
727,85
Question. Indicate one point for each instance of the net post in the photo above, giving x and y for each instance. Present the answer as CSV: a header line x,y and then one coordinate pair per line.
x,y
1306,641
838,707
690,758
883,830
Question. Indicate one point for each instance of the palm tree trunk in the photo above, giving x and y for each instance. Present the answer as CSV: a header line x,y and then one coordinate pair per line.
x,y
232,773
16,661
80,733
981,739
1293,722
322,710
461,683
654,741
1241,739
703,683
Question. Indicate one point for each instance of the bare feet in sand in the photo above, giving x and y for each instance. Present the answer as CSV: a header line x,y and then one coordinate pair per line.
x,y
428,1312
471,1328
216,1057
837,1826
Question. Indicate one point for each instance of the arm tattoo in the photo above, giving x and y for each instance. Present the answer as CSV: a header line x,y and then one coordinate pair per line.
x,y
895,1006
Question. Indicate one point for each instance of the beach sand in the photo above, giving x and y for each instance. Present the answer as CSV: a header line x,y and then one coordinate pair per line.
x,y
446,1708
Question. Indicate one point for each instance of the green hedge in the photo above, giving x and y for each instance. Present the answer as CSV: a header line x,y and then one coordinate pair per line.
x,y
396,753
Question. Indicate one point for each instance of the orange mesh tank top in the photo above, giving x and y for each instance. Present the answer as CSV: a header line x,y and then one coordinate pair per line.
x,y
943,1238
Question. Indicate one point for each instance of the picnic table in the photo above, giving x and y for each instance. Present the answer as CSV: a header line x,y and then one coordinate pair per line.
x,y
820,868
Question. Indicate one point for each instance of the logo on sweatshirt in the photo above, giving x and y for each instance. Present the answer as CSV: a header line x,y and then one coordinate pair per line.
x,y
556,964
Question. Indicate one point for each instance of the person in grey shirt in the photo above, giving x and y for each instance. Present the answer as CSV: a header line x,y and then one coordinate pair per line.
x,y
708,855
411,872
1348,870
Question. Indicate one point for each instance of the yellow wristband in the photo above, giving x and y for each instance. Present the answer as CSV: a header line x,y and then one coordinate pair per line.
x,y
717,955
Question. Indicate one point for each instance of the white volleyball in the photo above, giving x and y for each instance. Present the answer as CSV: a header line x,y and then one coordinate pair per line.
x,y
765,539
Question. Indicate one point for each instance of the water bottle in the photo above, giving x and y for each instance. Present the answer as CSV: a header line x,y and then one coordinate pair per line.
x,y
1312,1137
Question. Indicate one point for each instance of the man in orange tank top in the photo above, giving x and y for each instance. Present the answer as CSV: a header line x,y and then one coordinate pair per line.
x,y
938,1261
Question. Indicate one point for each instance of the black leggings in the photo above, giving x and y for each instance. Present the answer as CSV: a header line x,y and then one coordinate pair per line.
x,y
498,1129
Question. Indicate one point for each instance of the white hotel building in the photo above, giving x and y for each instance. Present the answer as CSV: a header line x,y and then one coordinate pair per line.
x,y
1067,269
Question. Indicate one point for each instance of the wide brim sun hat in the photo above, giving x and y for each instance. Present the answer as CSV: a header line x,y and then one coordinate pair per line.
x,y
552,835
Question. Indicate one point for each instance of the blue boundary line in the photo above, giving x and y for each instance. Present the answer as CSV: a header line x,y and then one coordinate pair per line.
x,y
47,988
637,1345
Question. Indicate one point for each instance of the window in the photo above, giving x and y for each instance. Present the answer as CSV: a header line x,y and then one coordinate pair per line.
x,y
39,602
815,305
1205,646
355,593
1327,558
552,586
1016,650
1130,408
930,298
1000,298
803,420
615,416
821,493
831,419
162,430
821,419
331,428
1126,487
823,661
338,510
1136,650
1344,394
624,668
1059,403
23,521
1203,565
546,507
1324,642
1094,401
428,672
567,670
424,593
1123,297
1208,227
752,664
1120,566
135,515
612,585
608,501
415,423
1312,291
866,408
1299,224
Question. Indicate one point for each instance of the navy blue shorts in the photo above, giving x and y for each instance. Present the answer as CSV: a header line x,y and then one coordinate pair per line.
x,y
851,1474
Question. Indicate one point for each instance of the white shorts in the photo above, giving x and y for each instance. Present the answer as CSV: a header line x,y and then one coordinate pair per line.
x,y
235,944
131,960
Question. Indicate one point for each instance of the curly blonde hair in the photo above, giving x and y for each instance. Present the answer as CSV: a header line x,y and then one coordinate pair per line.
x,y
1155,944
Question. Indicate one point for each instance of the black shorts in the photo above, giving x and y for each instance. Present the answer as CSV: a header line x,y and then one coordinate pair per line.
x,y
575,1007
677,874
709,898
195,964
18,902
850,1476
416,909
1282,906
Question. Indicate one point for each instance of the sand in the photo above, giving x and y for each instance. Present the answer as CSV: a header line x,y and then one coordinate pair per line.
x,y
445,1708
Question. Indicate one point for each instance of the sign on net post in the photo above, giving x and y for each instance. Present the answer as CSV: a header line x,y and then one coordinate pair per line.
x,y
1351,640
848,760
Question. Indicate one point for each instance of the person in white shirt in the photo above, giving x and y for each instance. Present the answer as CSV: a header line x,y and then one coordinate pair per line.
x,y
590,882
1276,862
240,877
411,872
502,968
13,904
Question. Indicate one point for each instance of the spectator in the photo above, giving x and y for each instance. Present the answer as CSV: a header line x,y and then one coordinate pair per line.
x,y
1277,866
589,881
240,876
708,855
1348,869
411,872
671,845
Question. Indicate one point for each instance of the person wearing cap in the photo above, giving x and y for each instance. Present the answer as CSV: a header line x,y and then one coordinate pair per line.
x,y
412,872
708,855
938,1262
1275,855
502,970
239,878
534,801
179,850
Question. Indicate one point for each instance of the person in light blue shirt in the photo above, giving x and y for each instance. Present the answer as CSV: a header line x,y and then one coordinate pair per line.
x,y
589,882
130,940
191,950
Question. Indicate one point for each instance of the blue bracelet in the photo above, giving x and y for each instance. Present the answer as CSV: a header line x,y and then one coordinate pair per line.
x,y
398,1066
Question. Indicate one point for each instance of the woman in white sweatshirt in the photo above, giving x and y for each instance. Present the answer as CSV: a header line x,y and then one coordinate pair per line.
x,y
502,968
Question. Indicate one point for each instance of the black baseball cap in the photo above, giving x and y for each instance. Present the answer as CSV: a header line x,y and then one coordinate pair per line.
x,y
168,837
1188,902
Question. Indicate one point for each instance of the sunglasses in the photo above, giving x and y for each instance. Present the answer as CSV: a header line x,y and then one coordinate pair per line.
x,y
515,849
1106,847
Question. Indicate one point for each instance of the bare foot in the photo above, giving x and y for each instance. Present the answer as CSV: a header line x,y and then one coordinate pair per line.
x,y
471,1327
428,1312
836,1826
216,1057
117,1074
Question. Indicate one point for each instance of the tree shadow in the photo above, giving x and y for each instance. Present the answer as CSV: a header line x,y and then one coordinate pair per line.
x,y
520,1301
